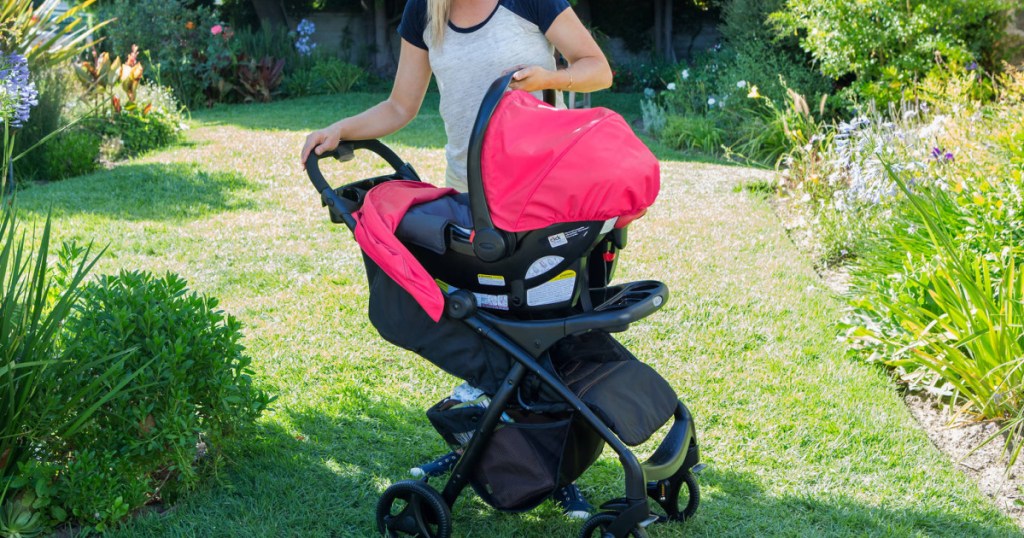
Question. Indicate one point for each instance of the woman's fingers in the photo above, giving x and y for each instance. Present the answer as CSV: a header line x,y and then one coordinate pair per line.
x,y
318,142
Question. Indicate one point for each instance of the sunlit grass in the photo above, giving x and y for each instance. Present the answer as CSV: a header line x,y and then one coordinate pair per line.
x,y
800,441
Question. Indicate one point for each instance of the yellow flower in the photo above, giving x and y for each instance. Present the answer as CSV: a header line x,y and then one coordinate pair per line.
x,y
753,93
979,199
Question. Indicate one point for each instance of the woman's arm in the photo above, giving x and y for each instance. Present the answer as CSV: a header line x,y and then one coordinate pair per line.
x,y
588,68
399,109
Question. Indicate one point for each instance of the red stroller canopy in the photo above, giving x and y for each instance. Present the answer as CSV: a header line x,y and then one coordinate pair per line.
x,y
543,166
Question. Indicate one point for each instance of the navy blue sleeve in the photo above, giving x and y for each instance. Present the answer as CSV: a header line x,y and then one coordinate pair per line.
x,y
540,12
414,22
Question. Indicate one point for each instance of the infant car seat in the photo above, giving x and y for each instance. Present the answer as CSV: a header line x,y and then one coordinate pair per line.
x,y
546,187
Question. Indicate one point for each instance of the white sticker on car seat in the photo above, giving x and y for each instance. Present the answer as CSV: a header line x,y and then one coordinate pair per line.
x,y
491,280
556,290
543,265
494,302
608,225
557,240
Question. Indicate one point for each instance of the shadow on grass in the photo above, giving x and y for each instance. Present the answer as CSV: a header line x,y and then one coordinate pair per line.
x,y
735,504
159,192
307,474
312,473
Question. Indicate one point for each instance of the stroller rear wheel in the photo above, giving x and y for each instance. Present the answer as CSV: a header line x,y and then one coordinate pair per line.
x,y
597,527
413,508
678,506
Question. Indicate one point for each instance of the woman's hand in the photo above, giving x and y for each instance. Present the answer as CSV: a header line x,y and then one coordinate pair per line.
x,y
533,78
325,139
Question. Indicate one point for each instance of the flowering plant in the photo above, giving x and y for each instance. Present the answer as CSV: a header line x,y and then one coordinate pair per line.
x,y
304,44
17,96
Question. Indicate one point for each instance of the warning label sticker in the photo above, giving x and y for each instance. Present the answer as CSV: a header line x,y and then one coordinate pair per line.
x,y
556,290
491,280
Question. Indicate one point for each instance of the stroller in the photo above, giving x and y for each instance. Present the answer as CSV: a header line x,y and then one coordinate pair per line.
x,y
518,302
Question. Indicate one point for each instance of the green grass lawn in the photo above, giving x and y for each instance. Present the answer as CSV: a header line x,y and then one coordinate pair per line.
x,y
799,439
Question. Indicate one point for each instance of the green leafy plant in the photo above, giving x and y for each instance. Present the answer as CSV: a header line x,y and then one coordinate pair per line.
x,y
969,332
693,132
888,44
72,152
37,402
337,76
259,81
44,35
188,357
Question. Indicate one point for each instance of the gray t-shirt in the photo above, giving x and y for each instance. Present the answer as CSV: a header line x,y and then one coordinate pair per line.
x,y
469,60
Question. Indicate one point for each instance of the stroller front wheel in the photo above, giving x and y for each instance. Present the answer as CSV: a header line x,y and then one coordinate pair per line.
x,y
413,508
668,494
597,527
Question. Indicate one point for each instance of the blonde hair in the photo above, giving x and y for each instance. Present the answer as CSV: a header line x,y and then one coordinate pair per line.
x,y
438,12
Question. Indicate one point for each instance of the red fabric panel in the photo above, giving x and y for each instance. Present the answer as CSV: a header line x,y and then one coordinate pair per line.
x,y
543,166
377,220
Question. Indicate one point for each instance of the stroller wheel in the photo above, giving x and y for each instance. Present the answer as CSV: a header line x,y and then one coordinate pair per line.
x,y
413,508
597,527
677,505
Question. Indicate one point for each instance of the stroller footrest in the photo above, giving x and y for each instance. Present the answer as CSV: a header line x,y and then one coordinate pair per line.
x,y
671,455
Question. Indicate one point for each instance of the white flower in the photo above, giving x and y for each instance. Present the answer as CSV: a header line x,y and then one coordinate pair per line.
x,y
711,101
671,86
649,93
685,74
741,84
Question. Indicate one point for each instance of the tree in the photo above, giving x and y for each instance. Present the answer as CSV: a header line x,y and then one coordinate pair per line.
x,y
382,60
663,46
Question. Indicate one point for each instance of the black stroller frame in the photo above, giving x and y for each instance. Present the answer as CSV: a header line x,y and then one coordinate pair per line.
x,y
421,509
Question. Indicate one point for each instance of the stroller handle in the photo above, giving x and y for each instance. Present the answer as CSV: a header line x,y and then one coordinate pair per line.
x,y
345,152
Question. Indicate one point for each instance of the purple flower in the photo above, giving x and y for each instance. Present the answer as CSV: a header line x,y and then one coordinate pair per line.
x,y
936,153
972,66
17,94
305,27
948,156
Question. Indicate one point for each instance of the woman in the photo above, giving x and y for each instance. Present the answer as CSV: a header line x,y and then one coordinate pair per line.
x,y
466,44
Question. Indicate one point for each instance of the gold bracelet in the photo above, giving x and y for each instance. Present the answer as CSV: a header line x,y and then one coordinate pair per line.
x,y
568,72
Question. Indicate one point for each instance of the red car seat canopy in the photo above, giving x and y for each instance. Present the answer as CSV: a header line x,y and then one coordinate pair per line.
x,y
542,166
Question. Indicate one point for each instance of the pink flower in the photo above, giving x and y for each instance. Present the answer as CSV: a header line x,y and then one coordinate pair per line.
x,y
216,29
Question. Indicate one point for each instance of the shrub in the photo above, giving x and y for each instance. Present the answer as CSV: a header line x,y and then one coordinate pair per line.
x,y
130,115
693,132
181,49
888,44
137,130
267,41
302,82
188,357
70,153
259,81
337,76
764,59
